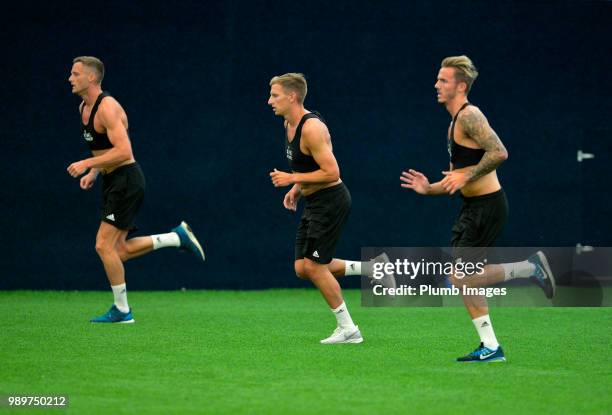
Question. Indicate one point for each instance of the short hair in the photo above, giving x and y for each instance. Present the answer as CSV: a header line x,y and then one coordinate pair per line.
x,y
292,81
465,71
93,63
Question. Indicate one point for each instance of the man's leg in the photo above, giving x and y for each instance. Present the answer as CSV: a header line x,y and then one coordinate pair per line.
x,y
343,267
489,349
181,237
337,267
106,245
478,309
535,268
322,278
478,226
134,247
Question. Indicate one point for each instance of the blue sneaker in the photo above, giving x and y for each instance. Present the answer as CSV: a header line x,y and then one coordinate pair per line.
x,y
114,316
484,354
543,276
188,240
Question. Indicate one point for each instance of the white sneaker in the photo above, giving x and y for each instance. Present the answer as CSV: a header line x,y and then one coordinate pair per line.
x,y
344,335
388,281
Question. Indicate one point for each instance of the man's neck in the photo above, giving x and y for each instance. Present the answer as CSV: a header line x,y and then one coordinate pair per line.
x,y
91,94
453,106
295,115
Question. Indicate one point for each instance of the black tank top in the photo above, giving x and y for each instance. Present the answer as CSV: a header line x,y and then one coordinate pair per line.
x,y
94,139
298,161
462,156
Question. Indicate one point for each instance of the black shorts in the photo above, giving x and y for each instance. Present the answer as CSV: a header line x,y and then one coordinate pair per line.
x,y
480,221
324,216
122,195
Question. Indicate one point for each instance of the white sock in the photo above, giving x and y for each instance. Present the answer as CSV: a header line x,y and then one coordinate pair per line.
x,y
523,269
352,267
484,327
164,240
343,317
120,293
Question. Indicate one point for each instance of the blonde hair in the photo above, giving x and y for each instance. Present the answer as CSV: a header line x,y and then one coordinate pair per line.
x,y
465,71
292,82
93,63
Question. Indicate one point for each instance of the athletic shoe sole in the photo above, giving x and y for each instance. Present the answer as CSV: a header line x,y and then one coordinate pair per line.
x,y
495,360
547,271
193,239
388,281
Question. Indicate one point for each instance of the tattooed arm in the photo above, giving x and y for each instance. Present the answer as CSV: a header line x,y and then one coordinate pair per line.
x,y
475,125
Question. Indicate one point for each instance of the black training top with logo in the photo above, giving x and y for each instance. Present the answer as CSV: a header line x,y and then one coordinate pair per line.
x,y
298,161
94,139
462,156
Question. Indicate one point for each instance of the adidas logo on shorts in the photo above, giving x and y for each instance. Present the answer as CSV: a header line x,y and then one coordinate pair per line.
x,y
111,217
315,254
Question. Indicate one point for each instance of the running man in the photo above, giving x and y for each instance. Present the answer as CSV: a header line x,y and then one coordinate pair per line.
x,y
475,153
315,176
104,126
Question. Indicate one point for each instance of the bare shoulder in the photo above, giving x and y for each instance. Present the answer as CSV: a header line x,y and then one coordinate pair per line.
x,y
110,109
473,122
471,113
314,128
109,103
475,125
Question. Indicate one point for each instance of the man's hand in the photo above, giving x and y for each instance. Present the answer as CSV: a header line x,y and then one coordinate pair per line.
x,y
291,198
88,180
281,179
454,180
416,181
78,168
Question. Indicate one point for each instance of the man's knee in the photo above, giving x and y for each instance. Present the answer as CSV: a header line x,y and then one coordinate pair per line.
x,y
103,246
311,268
456,281
299,269
106,240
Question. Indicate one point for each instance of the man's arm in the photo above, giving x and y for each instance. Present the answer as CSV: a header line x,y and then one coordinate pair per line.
x,y
88,180
436,189
93,172
291,198
475,125
110,117
314,137
110,113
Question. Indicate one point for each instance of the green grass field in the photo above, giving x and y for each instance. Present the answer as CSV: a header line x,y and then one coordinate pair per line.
x,y
258,353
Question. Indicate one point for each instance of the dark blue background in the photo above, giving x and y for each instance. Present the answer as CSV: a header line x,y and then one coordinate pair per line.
x,y
193,78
